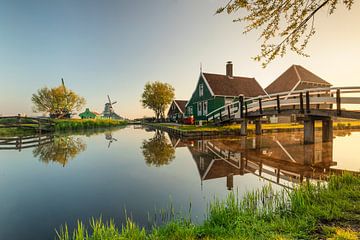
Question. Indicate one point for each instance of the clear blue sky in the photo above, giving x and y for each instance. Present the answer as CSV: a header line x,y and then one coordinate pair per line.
x,y
114,47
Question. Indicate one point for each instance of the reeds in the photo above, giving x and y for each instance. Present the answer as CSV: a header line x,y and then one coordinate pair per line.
x,y
79,124
261,214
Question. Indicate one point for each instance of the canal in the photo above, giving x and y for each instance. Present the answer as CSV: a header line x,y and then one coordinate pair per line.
x,y
138,172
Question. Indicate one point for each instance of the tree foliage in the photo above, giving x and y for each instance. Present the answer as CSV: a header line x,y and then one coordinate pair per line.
x,y
57,101
158,151
157,96
285,23
60,150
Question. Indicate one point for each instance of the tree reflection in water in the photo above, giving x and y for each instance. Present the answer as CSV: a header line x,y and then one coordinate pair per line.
x,y
60,150
158,150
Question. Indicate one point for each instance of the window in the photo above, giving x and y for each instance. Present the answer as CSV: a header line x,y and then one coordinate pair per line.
x,y
205,107
201,90
199,108
190,111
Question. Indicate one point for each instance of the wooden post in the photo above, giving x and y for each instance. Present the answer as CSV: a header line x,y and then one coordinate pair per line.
x,y
220,115
246,110
301,103
241,107
307,102
228,111
18,120
338,102
278,103
260,106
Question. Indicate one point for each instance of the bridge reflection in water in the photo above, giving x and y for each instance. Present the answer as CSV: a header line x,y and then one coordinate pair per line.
x,y
282,158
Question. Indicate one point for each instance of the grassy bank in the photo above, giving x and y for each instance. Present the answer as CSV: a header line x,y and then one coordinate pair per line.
x,y
64,125
251,127
80,124
311,211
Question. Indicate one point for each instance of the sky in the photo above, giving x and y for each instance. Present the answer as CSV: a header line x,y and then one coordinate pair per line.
x,y
114,47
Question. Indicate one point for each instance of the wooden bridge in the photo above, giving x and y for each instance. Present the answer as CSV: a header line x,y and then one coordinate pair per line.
x,y
38,124
19,143
308,105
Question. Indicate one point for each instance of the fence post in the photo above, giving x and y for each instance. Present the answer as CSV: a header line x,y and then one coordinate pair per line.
x,y
241,107
301,103
278,103
228,111
260,106
307,102
246,110
338,102
220,115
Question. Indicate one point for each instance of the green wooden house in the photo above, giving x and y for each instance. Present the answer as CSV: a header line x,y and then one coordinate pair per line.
x,y
88,114
176,110
213,91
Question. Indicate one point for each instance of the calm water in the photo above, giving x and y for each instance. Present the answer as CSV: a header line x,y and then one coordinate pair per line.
x,y
83,175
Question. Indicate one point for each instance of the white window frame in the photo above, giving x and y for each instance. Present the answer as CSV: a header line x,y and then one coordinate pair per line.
x,y
190,111
199,108
205,107
201,90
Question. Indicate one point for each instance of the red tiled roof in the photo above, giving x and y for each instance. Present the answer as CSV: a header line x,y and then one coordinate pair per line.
x,y
181,104
233,86
292,76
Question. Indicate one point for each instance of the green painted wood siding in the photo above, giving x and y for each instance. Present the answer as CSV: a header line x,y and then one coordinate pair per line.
x,y
213,102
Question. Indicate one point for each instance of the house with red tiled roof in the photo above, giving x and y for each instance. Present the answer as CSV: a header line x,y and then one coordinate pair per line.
x,y
295,78
176,110
213,91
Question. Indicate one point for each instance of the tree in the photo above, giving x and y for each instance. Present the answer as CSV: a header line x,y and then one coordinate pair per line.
x,y
60,150
158,151
157,96
58,101
290,22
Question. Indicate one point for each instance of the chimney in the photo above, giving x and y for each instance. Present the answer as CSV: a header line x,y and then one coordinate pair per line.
x,y
229,69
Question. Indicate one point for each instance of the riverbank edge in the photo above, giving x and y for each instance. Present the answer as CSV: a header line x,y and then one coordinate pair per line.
x,y
186,131
310,211
67,125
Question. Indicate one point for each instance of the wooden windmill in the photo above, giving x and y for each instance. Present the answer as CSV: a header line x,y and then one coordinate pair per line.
x,y
109,110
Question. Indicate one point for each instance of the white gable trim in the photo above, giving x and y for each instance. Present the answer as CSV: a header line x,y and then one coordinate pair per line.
x,y
178,106
296,85
207,85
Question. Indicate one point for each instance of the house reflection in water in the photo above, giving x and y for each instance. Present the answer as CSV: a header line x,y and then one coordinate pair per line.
x,y
280,158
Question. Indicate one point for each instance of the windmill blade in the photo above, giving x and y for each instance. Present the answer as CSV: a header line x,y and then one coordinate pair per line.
x,y
109,99
114,102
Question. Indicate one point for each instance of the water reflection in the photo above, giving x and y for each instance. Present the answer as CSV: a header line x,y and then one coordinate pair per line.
x,y
158,150
60,150
110,138
278,158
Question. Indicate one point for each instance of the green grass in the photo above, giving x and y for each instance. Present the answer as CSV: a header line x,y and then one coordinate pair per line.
x,y
64,125
78,124
312,211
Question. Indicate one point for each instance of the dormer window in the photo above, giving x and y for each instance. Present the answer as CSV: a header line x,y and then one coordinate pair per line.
x,y
201,90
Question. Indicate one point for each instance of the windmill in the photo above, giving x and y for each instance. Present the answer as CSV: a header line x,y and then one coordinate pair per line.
x,y
109,110
66,113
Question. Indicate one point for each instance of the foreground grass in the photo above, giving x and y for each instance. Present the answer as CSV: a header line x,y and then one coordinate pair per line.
x,y
265,126
79,124
321,211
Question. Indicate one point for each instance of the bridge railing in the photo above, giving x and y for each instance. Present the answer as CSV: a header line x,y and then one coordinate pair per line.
x,y
303,100
22,142
26,122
